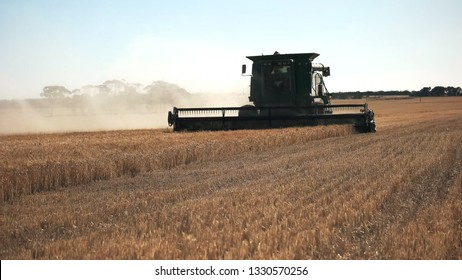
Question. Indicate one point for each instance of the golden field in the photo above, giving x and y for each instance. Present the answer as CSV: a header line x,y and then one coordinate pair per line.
x,y
295,193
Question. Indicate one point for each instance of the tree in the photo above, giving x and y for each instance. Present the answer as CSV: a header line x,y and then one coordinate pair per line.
x,y
55,92
438,91
458,91
103,89
454,91
425,91
167,93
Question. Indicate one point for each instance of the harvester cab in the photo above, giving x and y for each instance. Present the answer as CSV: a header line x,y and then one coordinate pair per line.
x,y
286,90
287,80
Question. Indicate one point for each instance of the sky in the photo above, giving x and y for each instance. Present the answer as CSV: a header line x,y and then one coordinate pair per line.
x,y
200,45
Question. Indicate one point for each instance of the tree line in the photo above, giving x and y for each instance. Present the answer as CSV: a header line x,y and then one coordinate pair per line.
x,y
424,92
167,93
116,88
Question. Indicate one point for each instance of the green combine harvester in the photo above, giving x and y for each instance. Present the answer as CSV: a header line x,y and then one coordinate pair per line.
x,y
286,90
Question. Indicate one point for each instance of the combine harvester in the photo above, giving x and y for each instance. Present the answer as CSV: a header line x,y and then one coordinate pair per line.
x,y
286,90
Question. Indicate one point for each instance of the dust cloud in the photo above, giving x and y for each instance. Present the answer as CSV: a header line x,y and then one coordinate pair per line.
x,y
103,112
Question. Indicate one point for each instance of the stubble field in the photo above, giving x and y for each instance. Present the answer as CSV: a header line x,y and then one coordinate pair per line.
x,y
296,193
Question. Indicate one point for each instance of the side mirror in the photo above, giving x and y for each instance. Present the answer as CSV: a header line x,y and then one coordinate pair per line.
x,y
244,69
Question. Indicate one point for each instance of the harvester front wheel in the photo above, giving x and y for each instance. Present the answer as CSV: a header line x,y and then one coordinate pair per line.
x,y
171,119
